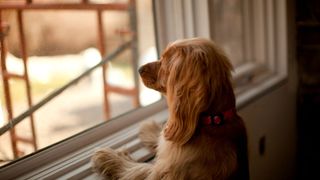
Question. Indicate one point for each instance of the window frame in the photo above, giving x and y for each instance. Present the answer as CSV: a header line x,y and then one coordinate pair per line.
x,y
272,35
269,33
70,158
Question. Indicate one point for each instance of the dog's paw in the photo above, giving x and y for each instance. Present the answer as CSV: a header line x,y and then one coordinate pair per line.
x,y
107,163
125,154
149,134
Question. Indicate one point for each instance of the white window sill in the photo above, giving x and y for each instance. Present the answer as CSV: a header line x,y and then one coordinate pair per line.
x,y
260,89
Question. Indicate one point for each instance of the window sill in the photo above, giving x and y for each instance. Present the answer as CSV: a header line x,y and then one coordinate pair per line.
x,y
259,89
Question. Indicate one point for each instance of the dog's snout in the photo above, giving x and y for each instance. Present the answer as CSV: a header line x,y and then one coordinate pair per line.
x,y
148,68
141,69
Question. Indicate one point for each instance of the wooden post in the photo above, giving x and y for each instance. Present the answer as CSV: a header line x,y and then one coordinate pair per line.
x,y
102,49
26,76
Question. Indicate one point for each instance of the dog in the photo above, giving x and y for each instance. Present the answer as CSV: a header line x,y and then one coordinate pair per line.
x,y
204,137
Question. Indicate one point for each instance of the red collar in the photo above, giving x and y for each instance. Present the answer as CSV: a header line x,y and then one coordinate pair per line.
x,y
219,118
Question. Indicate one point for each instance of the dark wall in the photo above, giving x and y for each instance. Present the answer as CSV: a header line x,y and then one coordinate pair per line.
x,y
308,56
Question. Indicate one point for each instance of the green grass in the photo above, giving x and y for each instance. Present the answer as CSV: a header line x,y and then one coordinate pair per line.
x,y
18,88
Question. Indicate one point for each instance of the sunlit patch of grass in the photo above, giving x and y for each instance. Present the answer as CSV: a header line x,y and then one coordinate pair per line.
x,y
18,88
125,68
124,62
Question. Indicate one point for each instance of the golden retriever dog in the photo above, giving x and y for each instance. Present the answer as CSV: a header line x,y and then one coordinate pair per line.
x,y
204,137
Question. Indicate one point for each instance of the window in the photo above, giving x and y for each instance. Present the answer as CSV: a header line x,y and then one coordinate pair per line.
x,y
62,41
259,40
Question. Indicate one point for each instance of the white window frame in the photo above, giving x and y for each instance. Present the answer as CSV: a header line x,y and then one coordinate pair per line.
x,y
269,45
266,42
175,19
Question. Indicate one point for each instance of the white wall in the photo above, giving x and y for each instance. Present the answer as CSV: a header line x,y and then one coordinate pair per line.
x,y
274,117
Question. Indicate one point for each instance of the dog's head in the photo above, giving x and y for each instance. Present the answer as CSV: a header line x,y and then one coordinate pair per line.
x,y
195,75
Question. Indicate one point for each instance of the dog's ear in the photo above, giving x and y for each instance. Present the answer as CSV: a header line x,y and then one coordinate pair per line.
x,y
186,94
199,79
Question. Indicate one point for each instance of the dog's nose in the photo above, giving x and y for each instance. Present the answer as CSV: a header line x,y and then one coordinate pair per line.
x,y
141,70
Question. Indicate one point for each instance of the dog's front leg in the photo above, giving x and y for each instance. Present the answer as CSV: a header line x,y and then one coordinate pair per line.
x,y
149,135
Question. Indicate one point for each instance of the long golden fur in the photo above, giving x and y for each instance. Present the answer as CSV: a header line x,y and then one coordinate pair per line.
x,y
195,76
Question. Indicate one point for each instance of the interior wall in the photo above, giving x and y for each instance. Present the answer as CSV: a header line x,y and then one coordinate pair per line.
x,y
271,128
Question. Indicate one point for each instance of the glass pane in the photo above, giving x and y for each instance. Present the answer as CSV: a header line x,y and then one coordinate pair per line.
x,y
228,28
61,45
